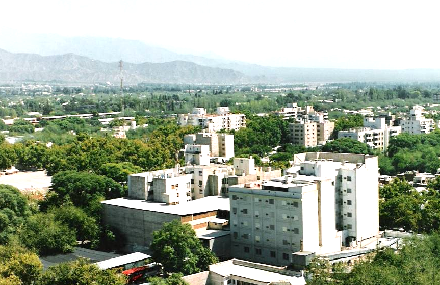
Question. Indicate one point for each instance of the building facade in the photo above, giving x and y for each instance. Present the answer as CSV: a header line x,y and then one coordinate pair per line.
x,y
416,123
222,120
330,202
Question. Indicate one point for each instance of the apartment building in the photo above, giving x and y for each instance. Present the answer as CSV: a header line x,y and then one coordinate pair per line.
x,y
416,123
169,186
304,133
330,201
222,120
376,133
220,145
196,154
324,131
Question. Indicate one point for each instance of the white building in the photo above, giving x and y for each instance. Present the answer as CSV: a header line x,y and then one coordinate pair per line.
x,y
196,154
416,123
304,133
376,133
244,166
240,272
220,145
330,202
222,120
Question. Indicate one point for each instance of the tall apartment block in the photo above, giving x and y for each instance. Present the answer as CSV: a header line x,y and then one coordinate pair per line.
x,y
376,133
416,123
222,120
220,145
304,133
330,201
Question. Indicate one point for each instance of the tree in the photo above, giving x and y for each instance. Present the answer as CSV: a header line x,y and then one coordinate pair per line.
x,y
7,155
43,233
347,145
80,272
86,227
14,210
178,249
173,279
85,190
119,171
19,265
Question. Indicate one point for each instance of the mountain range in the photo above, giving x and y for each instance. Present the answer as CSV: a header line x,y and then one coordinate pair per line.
x,y
95,59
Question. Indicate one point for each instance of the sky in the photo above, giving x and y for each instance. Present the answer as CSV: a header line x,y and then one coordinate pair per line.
x,y
384,34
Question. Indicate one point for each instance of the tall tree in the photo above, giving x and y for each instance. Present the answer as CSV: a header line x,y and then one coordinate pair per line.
x,y
178,249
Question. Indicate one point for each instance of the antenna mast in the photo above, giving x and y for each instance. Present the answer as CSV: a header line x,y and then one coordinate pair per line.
x,y
121,89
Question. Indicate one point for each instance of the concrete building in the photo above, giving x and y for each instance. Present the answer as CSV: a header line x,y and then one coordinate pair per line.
x,y
324,131
304,133
329,201
222,120
292,111
169,186
137,219
376,133
196,154
220,145
244,166
240,272
416,123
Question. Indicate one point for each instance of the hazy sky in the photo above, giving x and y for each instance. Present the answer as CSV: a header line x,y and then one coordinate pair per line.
x,y
307,33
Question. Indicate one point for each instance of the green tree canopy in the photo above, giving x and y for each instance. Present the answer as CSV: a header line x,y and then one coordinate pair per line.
x,y
14,210
43,233
178,249
19,265
80,272
347,145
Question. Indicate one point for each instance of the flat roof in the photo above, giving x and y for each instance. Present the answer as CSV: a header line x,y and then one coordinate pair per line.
x,y
211,234
122,260
79,252
228,269
203,205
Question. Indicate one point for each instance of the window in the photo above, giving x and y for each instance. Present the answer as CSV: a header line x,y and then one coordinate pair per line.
x,y
257,226
273,254
258,251
246,249
244,211
234,210
295,204
349,227
200,183
271,201
257,238
285,242
245,236
272,227
285,256
234,197
200,173
296,230
349,215
348,178
348,190
348,202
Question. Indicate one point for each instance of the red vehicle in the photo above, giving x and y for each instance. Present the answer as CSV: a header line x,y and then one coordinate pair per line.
x,y
142,272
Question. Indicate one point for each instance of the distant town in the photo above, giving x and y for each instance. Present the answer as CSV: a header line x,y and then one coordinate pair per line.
x,y
219,184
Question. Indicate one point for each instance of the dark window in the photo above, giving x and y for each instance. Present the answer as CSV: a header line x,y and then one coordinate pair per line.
x,y
348,202
246,249
258,251
273,253
348,190
349,215
295,204
271,201
348,178
285,256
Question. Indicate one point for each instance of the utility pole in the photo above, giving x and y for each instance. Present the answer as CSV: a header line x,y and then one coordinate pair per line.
x,y
121,90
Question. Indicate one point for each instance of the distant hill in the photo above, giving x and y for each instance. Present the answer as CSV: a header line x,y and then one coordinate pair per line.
x,y
70,68
179,67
